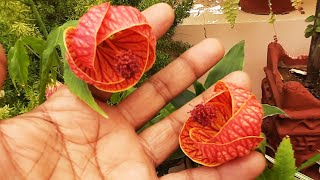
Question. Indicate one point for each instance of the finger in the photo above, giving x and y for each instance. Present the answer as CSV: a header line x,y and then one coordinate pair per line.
x,y
248,167
161,139
3,66
170,81
160,23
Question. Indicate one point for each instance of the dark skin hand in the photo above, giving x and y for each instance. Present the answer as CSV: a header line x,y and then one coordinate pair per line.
x,y
64,139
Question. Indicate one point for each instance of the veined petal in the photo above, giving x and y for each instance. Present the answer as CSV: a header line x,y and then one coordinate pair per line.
x,y
114,54
233,130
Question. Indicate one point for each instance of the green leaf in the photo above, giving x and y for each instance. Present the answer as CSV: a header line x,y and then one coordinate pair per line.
x,y
49,55
128,92
18,61
266,175
309,162
317,29
115,98
198,87
269,110
38,45
310,18
232,61
284,167
182,99
80,89
164,112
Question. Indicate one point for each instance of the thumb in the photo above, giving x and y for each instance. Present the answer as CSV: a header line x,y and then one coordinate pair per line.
x,y
3,66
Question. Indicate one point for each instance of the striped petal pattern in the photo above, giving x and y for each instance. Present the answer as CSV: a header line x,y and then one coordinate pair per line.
x,y
111,47
232,130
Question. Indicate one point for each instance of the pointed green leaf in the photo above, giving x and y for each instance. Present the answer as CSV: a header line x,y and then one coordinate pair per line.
x,y
18,61
309,162
317,29
269,110
198,87
232,61
36,44
49,55
284,167
80,89
182,99
310,18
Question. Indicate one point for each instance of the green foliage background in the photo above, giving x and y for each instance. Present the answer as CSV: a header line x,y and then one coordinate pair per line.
x,y
17,20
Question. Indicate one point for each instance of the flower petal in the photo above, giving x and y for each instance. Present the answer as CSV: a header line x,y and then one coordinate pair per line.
x,y
234,131
105,34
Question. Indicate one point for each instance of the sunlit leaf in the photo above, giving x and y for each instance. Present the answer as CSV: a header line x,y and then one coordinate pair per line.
x,y
284,166
49,55
232,61
80,88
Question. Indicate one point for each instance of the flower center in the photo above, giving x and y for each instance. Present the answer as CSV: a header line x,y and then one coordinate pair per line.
x,y
204,114
127,64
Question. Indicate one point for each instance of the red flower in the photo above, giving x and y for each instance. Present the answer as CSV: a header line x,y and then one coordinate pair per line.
x,y
227,125
111,47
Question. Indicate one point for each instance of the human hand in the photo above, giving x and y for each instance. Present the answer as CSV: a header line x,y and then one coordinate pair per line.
x,y
65,139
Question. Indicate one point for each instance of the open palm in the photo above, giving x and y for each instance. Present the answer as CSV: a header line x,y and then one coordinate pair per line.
x,y
65,139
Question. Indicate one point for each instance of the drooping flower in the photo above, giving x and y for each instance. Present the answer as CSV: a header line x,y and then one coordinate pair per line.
x,y
111,47
227,125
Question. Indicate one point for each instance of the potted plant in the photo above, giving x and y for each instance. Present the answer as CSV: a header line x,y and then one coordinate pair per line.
x,y
297,95
262,6
230,8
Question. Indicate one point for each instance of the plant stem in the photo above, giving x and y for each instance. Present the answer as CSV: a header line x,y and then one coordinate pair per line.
x,y
38,19
314,55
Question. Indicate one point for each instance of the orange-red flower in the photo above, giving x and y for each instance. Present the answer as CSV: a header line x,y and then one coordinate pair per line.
x,y
227,125
111,47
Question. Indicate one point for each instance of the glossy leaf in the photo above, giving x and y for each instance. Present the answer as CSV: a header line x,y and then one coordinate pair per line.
x,y
18,64
226,125
81,89
198,87
182,99
284,166
232,61
269,110
310,162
